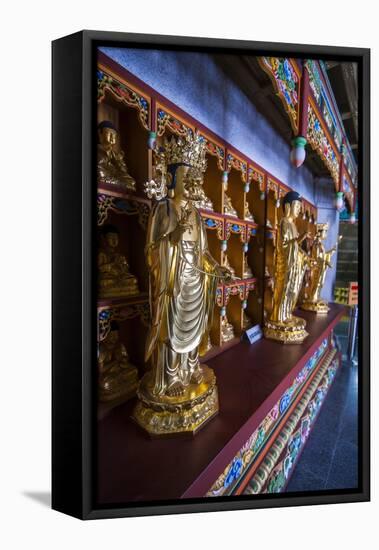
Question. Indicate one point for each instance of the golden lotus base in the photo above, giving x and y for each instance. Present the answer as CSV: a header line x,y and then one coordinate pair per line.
x,y
319,307
127,185
291,332
124,388
119,292
186,414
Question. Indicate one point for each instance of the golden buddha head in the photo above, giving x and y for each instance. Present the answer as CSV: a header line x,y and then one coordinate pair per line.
x,y
110,236
292,204
107,134
322,230
177,180
184,155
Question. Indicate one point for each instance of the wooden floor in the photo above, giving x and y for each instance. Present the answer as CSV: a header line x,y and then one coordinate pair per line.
x,y
132,467
331,457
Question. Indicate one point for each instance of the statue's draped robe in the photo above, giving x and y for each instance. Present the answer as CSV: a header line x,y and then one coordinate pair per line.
x,y
289,271
181,297
322,262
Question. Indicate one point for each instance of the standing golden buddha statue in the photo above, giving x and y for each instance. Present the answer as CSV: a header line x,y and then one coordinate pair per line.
x,y
178,394
111,167
320,261
290,264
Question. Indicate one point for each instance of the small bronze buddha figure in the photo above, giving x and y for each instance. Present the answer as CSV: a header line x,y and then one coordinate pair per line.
x,y
247,273
208,346
248,215
290,264
229,267
227,330
115,279
246,321
117,376
195,190
228,207
111,167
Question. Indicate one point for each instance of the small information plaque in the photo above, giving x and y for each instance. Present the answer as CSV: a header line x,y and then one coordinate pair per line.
x,y
353,294
254,334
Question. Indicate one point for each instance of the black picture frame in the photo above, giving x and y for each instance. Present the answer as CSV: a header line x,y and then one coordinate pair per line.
x,y
73,272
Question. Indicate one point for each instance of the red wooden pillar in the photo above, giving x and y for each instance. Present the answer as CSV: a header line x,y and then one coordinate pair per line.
x,y
352,213
299,142
339,194
303,111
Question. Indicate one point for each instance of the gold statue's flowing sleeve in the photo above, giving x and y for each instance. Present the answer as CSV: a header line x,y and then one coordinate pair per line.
x,y
209,265
284,259
288,242
159,252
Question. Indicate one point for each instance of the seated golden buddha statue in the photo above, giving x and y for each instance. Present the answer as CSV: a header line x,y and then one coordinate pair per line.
x,y
247,273
248,215
195,190
115,279
111,167
290,264
117,376
227,330
320,262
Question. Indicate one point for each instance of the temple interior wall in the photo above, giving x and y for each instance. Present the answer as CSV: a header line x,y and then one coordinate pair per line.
x,y
197,84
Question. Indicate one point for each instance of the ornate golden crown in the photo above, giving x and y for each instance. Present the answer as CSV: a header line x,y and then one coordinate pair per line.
x,y
189,149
